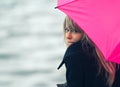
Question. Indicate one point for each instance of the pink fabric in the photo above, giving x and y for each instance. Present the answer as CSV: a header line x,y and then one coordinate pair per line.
x,y
100,19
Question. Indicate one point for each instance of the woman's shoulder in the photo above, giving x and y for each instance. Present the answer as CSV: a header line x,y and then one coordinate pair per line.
x,y
76,53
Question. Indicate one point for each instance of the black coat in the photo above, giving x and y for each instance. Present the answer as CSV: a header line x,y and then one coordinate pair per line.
x,y
82,68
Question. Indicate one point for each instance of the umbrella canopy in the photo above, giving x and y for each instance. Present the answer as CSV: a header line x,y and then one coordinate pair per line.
x,y
100,19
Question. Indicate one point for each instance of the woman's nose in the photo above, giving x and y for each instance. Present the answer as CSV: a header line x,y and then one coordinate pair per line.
x,y
68,35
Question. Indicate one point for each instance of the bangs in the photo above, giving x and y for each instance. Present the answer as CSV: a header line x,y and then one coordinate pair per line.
x,y
70,24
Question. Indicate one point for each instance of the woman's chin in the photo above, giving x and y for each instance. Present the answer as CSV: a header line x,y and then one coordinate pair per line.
x,y
69,44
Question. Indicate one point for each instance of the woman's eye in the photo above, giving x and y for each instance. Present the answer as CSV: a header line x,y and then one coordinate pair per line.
x,y
67,30
71,30
74,31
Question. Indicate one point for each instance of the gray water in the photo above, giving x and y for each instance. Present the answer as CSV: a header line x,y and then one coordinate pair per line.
x,y
31,43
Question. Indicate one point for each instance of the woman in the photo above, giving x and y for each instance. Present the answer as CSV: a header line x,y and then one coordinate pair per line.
x,y
85,65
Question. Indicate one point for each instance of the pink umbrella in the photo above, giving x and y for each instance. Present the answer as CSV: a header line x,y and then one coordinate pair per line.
x,y
100,19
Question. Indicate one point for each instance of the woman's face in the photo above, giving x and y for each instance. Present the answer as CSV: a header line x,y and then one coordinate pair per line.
x,y
72,36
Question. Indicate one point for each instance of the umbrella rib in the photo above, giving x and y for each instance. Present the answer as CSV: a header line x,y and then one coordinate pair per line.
x,y
64,4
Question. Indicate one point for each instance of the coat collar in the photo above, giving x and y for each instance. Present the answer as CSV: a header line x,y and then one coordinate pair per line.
x,y
76,47
79,46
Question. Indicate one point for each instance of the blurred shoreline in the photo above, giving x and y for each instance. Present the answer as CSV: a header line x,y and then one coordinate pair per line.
x,y
31,43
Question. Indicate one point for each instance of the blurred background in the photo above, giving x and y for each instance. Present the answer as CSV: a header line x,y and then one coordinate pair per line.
x,y
31,43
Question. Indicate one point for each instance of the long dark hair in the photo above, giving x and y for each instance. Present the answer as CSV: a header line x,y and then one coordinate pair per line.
x,y
109,67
